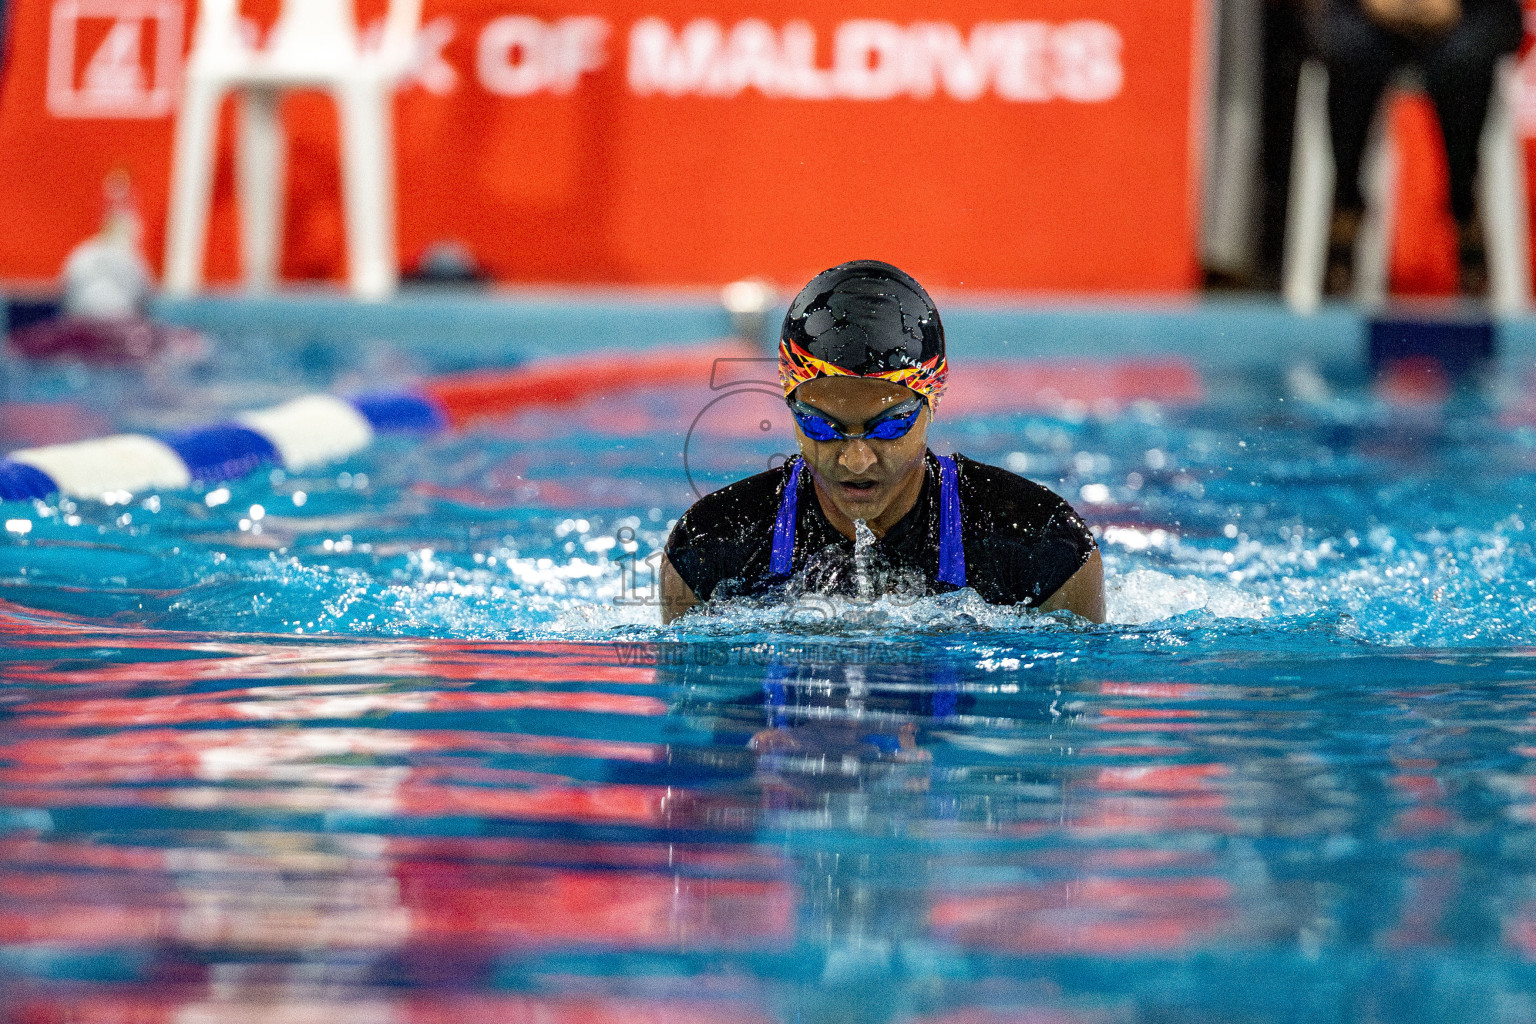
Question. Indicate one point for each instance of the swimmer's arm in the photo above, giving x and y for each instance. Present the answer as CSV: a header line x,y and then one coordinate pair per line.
x,y
677,597
1082,594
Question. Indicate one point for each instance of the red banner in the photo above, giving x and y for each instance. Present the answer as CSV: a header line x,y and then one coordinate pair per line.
x,y
1048,145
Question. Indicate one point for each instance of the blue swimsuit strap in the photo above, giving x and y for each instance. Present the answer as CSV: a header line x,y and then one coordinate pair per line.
x,y
784,526
951,546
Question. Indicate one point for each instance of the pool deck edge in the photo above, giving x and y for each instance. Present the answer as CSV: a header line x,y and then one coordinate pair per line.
x,y
463,329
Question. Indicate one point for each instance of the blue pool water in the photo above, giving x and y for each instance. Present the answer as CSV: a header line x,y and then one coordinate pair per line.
x,y
401,740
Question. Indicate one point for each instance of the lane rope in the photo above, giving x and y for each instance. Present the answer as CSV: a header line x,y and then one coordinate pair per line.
x,y
316,430
319,429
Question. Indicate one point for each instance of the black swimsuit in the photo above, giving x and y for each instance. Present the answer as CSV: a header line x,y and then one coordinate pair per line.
x,y
1021,542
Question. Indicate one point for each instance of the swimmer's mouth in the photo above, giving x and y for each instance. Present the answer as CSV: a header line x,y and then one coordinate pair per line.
x,y
858,488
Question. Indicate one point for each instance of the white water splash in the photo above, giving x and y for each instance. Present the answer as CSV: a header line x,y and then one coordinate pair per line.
x,y
863,548
1145,595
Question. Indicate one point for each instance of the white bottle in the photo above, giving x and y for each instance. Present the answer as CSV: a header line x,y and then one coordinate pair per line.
x,y
106,277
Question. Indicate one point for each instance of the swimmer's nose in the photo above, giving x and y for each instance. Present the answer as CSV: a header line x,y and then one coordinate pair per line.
x,y
856,457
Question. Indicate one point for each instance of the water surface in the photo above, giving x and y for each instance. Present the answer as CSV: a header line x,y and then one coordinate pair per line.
x,y
402,740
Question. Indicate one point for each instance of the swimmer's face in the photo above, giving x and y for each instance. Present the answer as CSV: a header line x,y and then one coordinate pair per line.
x,y
864,478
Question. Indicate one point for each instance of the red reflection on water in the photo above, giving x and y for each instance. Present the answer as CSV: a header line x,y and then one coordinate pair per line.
x,y
700,859
715,859
1425,813
276,1007
1120,750
1026,1016
1152,718
265,656
1094,914
1162,778
152,755
1414,382
318,702
1432,890
541,906
1114,901
1153,713
1520,931
1151,690
317,769
1156,799
512,662
506,490
383,795
1432,885
124,753
289,892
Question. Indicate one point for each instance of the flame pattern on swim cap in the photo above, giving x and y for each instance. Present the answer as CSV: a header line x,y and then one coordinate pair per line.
x,y
864,319
796,366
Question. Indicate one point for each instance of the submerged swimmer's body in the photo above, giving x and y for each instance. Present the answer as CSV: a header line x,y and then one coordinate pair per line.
x,y
861,358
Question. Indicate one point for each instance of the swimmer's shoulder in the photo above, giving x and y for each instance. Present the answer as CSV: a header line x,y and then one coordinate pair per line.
x,y
1006,503
742,505
1023,541
721,533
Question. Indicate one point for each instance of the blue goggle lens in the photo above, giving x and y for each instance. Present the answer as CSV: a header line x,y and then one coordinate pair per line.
x,y
893,426
816,428
896,423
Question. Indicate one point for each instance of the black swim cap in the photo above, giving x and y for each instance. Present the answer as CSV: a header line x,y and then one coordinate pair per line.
x,y
864,319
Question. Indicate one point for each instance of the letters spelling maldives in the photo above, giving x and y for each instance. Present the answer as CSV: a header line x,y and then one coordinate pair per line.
x,y
871,59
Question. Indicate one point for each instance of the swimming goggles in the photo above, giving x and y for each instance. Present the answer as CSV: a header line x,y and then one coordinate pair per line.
x,y
888,426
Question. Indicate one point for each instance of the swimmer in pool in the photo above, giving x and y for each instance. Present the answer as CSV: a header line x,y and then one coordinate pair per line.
x,y
861,360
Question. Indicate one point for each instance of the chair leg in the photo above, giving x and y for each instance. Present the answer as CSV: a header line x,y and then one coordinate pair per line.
x,y
368,187
262,148
1373,245
1502,199
186,234
1311,199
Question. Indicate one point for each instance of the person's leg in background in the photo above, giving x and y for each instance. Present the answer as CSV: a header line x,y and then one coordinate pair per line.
x,y
1458,72
5,37
1360,57
1285,47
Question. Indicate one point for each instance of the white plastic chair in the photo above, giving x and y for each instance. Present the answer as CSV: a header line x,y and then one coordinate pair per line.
x,y
1501,199
313,45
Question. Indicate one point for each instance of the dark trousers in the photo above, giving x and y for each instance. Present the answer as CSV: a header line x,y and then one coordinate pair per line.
x,y
1458,68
